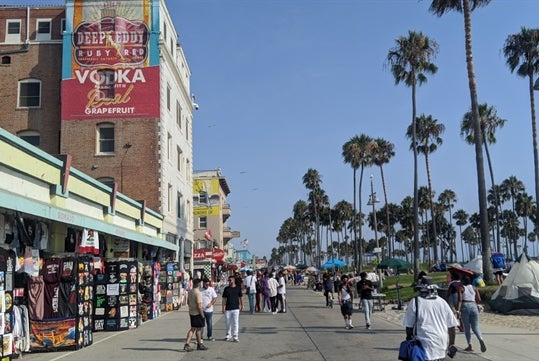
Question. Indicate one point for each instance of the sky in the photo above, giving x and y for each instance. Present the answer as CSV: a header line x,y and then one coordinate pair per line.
x,y
283,84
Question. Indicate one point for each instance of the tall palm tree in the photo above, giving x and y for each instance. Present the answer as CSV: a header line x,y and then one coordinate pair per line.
x,y
410,62
312,182
381,152
428,138
448,198
439,8
301,218
489,122
525,209
355,153
462,219
522,54
511,188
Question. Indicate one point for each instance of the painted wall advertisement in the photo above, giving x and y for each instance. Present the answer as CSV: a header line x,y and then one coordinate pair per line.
x,y
109,73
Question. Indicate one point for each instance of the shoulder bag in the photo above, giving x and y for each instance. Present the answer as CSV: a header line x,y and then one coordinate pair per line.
x,y
411,350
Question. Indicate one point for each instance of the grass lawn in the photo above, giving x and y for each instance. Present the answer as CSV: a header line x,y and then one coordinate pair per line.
x,y
405,283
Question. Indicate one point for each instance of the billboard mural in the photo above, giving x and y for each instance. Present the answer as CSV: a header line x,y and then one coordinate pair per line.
x,y
110,69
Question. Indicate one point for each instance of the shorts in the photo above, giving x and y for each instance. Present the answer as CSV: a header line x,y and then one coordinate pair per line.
x,y
346,308
197,321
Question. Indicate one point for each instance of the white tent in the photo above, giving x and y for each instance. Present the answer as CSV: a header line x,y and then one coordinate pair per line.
x,y
519,292
476,265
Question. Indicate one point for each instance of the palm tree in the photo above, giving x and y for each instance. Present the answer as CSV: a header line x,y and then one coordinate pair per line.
x,y
448,198
312,181
301,219
525,209
381,152
462,219
489,121
355,153
428,138
410,61
439,8
511,188
522,54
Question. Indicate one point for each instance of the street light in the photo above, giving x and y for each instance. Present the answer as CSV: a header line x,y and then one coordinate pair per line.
x,y
372,202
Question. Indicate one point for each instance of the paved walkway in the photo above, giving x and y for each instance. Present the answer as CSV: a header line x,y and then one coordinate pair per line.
x,y
308,331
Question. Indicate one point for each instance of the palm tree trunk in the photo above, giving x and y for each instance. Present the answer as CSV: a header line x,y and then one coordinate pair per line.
x,y
432,215
535,155
478,140
354,228
388,232
416,201
496,199
359,241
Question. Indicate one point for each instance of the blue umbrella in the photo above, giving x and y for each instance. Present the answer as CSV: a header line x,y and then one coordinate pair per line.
x,y
333,263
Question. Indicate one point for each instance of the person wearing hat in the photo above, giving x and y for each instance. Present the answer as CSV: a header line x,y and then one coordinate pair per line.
x,y
435,323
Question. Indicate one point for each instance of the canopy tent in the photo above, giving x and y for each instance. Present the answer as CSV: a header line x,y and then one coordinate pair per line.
x,y
333,263
519,292
395,263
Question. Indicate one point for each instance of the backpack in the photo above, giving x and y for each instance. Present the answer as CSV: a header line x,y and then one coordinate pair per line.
x,y
498,260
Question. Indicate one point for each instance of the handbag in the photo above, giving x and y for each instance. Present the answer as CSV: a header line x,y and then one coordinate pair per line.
x,y
411,350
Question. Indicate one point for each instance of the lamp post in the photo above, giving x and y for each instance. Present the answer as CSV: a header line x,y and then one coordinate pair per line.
x,y
372,202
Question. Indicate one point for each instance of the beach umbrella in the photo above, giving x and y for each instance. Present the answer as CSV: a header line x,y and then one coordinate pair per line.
x,y
395,263
312,269
289,267
333,263
301,266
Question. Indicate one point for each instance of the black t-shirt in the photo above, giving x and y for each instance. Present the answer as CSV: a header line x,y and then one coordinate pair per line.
x,y
364,293
232,295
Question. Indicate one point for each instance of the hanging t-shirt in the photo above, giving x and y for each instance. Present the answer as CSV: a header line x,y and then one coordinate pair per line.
x,y
36,287
89,242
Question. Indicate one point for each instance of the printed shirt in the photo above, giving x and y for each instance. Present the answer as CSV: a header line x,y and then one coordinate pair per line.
x,y
208,294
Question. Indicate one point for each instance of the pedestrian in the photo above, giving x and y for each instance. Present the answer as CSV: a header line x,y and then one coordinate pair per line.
x,y
250,289
266,297
232,305
209,297
365,289
273,285
259,292
345,296
469,300
328,289
281,292
453,290
196,315
435,323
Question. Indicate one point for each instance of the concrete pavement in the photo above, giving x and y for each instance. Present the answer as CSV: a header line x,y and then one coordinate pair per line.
x,y
308,331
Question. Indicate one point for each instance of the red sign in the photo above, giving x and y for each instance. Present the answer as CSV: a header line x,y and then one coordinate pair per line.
x,y
218,254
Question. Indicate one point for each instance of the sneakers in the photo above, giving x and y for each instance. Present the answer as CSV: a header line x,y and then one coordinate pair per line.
x,y
368,326
227,338
201,347
187,348
211,339
469,348
347,327
235,340
351,326
483,346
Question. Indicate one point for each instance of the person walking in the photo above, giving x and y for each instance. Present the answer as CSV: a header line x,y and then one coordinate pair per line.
x,y
469,300
266,296
250,289
259,291
365,289
281,292
435,323
209,296
273,285
328,290
196,315
346,301
232,305
453,290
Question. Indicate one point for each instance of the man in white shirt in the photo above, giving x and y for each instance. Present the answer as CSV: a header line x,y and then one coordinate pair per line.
x,y
281,293
250,289
209,296
435,328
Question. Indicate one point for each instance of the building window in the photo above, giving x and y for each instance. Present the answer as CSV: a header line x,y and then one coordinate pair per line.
x,y
6,60
13,34
180,159
169,146
30,136
178,114
109,182
43,30
169,200
203,197
168,97
187,129
203,222
105,136
179,202
30,93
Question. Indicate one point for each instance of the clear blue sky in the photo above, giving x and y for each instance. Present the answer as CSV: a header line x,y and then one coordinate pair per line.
x,y
283,84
